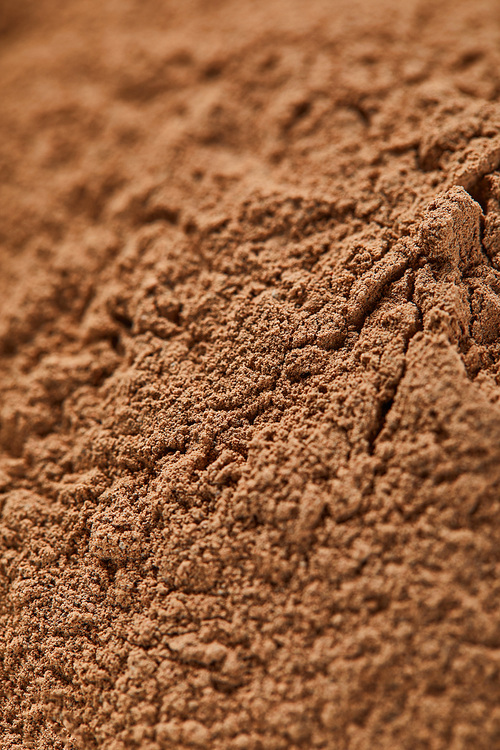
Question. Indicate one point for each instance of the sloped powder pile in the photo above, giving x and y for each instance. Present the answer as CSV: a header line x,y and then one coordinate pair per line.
x,y
250,375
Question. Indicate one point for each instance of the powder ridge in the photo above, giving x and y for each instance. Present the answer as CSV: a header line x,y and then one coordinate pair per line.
x,y
249,395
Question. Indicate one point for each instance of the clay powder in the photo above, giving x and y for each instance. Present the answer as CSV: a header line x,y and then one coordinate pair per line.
x,y
250,375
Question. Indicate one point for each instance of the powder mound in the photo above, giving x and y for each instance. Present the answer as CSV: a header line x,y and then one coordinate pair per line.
x,y
250,383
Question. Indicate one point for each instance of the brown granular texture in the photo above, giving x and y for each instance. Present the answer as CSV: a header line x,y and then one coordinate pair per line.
x,y
250,374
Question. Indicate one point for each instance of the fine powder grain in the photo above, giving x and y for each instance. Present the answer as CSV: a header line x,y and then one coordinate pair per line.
x,y
250,374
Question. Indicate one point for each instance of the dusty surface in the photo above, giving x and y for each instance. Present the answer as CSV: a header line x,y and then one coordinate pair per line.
x,y
250,379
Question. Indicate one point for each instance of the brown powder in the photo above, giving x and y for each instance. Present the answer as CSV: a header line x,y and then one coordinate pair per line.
x,y
250,383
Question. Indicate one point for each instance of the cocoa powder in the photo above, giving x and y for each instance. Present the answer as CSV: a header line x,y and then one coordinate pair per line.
x,y
250,382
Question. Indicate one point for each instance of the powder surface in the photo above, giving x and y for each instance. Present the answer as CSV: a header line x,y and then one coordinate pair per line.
x,y
250,375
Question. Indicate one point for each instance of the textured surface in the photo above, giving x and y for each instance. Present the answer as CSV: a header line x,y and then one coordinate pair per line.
x,y
250,375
